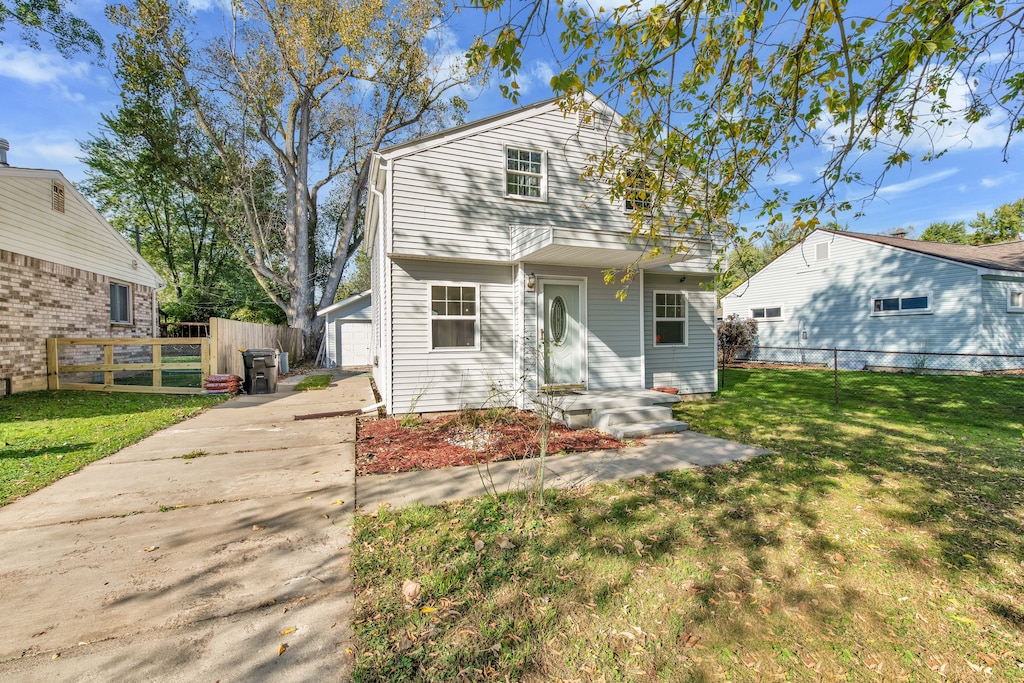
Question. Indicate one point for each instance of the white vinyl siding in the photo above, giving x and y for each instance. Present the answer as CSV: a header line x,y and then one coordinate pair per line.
x,y
1002,328
450,200
78,237
690,368
830,304
429,381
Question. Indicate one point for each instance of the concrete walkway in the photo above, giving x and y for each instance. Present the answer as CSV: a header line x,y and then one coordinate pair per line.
x,y
683,450
147,566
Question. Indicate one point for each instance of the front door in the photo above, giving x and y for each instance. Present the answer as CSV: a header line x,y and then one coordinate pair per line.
x,y
562,334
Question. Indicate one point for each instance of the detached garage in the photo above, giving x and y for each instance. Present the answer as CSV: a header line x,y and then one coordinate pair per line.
x,y
348,332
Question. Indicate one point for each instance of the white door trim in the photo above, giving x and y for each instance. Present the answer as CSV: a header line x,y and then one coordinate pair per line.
x,y
541,312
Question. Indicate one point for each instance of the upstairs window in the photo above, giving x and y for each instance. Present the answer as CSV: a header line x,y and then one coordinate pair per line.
x,y
454,317
766,313
525,174
640,196
1015,304
670,319
120,304
58,196
897,305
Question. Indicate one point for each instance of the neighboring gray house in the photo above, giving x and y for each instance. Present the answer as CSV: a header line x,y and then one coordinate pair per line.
x,y
483,240
347,332
858,291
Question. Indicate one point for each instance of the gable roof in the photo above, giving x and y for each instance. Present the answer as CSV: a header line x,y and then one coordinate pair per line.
x,y
487,123
110,253
355,298
1001,256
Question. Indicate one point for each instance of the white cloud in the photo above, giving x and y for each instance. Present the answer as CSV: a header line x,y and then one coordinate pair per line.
x,y
956,134
990,182
536,75
785,178
897,189
42,69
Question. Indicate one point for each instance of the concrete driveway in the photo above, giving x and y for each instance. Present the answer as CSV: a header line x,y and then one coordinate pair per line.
x,y
228,566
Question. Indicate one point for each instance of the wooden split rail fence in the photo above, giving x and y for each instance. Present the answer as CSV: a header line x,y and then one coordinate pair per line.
x,y
156,364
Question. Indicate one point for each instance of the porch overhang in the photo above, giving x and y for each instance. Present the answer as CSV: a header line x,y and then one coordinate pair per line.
x,y
585,248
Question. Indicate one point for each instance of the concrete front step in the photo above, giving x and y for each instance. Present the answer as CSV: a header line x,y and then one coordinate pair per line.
x,y
637,429
604,419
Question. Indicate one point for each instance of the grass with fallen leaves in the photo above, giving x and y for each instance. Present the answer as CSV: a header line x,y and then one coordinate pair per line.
x,y
882,542
47,435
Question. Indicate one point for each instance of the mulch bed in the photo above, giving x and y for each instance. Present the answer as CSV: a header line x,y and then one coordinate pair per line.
x,y
384,446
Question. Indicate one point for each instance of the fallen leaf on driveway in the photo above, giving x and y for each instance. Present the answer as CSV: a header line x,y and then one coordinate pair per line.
x,y
151,548
289,630
258,527
280,650
338,502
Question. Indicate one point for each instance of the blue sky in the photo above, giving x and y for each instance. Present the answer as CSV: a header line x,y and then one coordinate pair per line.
x,y
49,103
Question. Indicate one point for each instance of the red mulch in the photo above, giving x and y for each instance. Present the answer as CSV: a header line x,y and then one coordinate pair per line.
x,y
384,446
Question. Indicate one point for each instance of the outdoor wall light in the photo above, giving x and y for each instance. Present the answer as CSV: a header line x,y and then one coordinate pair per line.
x,y
531,282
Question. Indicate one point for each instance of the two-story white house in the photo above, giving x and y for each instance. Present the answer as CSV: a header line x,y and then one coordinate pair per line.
x,y
488,254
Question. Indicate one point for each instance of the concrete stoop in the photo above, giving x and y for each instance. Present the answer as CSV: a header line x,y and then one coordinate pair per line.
x,y
627,414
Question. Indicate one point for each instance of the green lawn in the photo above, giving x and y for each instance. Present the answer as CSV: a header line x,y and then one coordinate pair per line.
x,y
46,435
314,383
882,542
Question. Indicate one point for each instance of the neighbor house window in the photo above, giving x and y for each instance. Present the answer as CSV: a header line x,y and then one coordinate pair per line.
x,y
669,318
525,175
895,305
766,313
821,251
120,303
58,196
454,315
1016,302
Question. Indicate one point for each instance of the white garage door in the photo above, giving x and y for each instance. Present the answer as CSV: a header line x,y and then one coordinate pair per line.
x,y
353,339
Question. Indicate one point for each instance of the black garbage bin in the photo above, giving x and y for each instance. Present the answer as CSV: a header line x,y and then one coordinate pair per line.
x,y
260,371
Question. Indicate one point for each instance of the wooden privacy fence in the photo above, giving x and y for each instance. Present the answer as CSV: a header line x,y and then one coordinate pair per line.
x,y
135,362
228,338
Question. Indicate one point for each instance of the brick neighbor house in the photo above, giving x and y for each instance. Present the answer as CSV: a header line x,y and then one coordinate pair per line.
x,y
64,272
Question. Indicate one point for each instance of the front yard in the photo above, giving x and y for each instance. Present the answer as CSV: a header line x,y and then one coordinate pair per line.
x,y
882,542
46,435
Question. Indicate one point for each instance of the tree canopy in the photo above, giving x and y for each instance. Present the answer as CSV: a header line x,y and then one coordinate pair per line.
x,y
69,34
1005,224
291,101
719,94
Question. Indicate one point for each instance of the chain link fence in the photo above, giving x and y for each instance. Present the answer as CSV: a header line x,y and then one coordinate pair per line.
x,y
860,376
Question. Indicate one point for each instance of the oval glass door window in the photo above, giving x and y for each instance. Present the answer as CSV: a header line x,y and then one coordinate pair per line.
x,y
558,323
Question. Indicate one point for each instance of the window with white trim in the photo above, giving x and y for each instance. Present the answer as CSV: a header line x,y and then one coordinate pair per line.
x,y
1015,302
120,303
640,196
901,305
766,313
670,319
525,174
454,317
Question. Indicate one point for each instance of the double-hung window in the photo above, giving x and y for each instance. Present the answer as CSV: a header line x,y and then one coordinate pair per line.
x,y
120,303
901,305
670,319
766,313
640,194
454,317
1015,303
526,174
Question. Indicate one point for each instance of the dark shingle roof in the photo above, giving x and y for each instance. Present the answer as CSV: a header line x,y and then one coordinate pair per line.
x,y
1002,256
